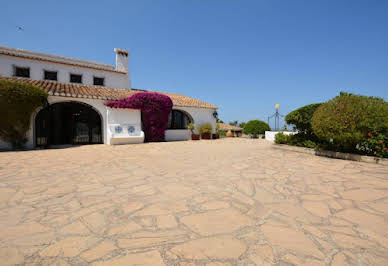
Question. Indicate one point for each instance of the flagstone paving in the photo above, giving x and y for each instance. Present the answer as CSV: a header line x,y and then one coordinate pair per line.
x,y
223,202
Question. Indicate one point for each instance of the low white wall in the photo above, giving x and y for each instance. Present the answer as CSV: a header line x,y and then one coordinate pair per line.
x,y
270,135
124,118
177,134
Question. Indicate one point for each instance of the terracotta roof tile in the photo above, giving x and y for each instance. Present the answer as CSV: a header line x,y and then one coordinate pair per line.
x,y
55,88
227,127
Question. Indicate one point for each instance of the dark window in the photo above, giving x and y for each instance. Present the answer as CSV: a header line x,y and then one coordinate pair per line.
x,y
22,72
50,75
178,120
98,81
74,78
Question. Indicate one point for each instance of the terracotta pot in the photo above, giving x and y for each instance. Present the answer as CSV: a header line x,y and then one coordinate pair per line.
x,y
215,136
194,136
206,136
229,134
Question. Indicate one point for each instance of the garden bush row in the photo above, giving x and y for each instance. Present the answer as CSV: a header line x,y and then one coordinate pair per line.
x,y
346,123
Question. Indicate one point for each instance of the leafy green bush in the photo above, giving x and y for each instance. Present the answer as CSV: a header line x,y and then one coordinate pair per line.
x,y
309,144
17,103
302,117
346,120
281,138
222,133
295,140
255,127
205,128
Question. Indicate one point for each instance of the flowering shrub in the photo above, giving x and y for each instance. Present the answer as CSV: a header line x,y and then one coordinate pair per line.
x,y
376,145
155,109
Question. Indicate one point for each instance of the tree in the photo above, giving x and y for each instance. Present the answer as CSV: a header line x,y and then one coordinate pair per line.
x,y
302,117
234,123
17,103
256,127
242,124
346,120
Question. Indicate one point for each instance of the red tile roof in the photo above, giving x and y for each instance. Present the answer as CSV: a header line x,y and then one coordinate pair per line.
x,y
54,88
227,127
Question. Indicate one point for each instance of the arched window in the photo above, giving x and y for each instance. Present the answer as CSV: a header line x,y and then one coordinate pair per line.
x,y
178,120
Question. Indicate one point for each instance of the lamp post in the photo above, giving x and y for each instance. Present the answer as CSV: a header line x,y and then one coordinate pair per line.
x,y
277,116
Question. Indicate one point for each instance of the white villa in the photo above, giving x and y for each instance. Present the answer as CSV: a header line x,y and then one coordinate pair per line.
x,y
78,90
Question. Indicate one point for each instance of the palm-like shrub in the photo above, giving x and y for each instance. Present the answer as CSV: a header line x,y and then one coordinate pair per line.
x,y
17,103
346,120
255,127
191,127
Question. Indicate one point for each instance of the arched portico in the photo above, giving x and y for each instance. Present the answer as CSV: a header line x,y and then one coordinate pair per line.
x,y
68,123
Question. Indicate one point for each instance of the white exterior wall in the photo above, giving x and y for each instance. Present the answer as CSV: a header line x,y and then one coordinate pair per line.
x,y
37,68
270,135
199,116
177,134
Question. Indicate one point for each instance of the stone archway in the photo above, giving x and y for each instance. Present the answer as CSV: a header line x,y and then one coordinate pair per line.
x,y
68,123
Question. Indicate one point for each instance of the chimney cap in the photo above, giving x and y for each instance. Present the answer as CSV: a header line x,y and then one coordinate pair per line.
x,y
121,51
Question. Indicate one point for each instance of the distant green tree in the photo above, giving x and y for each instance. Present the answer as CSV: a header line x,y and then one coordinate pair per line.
x,y
234,123
256,127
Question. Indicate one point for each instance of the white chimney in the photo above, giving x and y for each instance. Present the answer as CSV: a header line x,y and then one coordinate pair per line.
x,y
122,60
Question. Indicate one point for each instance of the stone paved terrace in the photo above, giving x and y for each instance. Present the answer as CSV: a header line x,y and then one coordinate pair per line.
x,y
223,202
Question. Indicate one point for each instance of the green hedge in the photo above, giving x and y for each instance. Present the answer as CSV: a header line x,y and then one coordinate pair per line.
x,y
281,138
345,121
17,103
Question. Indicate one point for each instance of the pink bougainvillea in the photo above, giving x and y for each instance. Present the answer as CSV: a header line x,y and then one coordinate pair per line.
x,y
155,109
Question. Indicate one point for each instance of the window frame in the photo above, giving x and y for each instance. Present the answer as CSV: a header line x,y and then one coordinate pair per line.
x,y
103,81
184,114
74,74
52,71
15,67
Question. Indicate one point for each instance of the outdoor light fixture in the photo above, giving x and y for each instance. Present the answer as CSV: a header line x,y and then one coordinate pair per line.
x,y
215,114
277,115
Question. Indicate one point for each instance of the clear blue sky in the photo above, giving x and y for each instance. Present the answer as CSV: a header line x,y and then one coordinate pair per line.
x,y
243,56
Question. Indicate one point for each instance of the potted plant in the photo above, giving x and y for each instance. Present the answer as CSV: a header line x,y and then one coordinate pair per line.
x,y
191,127
205,130
216,135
